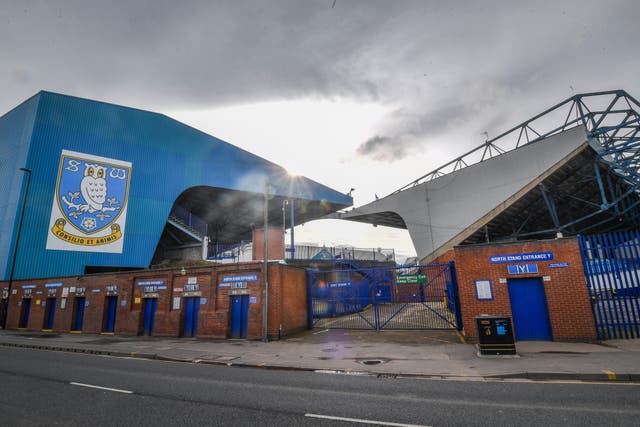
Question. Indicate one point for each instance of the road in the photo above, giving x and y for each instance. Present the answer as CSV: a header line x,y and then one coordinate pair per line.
x,y
44,388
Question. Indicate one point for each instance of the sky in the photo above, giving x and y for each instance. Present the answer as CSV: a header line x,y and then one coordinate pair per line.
x,y
363,94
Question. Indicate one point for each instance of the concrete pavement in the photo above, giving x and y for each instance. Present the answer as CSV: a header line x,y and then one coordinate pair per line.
x,y
387,353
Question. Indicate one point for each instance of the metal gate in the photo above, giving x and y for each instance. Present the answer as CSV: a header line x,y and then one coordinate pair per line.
x,y
407,297
612,266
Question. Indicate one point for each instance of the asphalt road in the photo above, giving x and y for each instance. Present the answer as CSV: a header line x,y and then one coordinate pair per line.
x,y
39,388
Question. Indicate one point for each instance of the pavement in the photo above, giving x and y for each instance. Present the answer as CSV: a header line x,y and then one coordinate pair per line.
x,y
429,354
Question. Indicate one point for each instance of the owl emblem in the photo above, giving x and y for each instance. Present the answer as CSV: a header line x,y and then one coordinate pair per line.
x,y
97,203
93,186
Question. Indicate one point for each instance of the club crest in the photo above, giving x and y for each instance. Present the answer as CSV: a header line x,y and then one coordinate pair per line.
x,y
90,203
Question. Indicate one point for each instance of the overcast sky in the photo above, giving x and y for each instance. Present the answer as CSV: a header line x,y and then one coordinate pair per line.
x,y
357,94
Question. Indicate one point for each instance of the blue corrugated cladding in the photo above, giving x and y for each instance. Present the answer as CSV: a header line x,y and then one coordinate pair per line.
x,y
15,135
167,158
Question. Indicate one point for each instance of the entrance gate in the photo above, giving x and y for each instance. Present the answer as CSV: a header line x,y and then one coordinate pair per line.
x,y
612,266
407,297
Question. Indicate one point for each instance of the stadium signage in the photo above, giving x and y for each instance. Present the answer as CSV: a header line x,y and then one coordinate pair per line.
x,y
524,257
411,279
89,210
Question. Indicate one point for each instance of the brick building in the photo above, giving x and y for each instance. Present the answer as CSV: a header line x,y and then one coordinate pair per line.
x,y
207,302
541,285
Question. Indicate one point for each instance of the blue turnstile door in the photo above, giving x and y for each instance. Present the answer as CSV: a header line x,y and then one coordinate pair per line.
x,y
111,304
239,315
24,312
78,314
191,307
49,313
150,307
529,309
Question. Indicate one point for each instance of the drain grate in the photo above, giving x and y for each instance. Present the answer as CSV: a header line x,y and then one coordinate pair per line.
x,y
372,361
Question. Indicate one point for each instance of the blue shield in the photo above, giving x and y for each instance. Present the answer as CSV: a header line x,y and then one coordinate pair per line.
x,y
91,194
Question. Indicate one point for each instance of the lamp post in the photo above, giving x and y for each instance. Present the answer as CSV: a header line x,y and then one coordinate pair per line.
x,y
15,248
265,290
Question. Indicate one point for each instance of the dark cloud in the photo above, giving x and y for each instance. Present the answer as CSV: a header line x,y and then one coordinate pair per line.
x,y
444,65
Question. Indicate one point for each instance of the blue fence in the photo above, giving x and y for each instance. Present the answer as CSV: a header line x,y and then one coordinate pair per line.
x,y
405,297
612,266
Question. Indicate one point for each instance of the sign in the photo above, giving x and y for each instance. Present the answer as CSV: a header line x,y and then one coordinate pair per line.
x,y
411,279
177,289
203,301
253,300
111,289
483,290
339,284
523,268
29,286
136,300
241,278
559,265
192,280
546,278
65,292
89,210
239,285
525,257
95,291
176,303
240,292
191,288
63,303
150,282
53,285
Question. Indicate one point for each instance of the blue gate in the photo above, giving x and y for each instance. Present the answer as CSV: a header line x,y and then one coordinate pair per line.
x,y
405,297
612,266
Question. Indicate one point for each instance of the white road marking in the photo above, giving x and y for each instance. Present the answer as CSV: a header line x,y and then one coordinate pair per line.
x,y
359,420
117,390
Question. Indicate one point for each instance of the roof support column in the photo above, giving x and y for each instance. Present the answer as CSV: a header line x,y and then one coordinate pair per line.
x,y
550,206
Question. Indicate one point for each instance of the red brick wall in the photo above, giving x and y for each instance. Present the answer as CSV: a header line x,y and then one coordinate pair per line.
x,y
276,244
566,291
287,306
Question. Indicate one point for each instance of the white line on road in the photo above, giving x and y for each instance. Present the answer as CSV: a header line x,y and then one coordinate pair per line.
x,y
359,420
117,390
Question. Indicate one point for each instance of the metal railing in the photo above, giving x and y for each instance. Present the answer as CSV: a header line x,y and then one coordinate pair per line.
x,y
190,220
303,252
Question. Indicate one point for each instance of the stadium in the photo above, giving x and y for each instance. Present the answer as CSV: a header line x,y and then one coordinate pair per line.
x,y
96,193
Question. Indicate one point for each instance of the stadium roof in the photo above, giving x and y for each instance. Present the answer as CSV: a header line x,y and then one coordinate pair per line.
x,y
574,168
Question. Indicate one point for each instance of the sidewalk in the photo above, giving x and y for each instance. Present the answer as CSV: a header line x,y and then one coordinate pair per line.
x,y
387,353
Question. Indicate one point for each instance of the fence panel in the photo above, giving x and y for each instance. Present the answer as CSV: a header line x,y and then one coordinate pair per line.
x,y
612,266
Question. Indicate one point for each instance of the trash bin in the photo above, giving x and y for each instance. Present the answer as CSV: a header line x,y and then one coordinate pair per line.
x,y
495,335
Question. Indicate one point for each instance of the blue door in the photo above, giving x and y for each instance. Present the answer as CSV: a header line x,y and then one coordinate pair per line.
x,y
239,315
150,306
78,314
191,307
111,305
24,313
49,314
529,309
